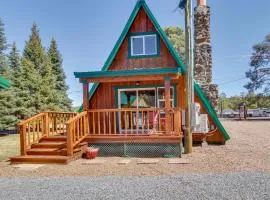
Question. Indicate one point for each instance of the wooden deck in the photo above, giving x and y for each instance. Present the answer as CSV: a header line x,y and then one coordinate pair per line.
x,y
55,137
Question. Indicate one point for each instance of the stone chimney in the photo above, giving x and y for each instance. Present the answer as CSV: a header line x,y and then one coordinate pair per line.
x,y
203,51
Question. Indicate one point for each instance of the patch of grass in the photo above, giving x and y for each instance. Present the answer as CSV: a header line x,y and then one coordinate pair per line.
x,y
9,146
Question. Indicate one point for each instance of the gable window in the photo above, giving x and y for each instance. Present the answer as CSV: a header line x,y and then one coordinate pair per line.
x,y
143,45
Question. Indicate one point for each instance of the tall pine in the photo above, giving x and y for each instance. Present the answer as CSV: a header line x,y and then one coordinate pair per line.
x,y
38,79
16,82
57,69
3,48
7,119
3,39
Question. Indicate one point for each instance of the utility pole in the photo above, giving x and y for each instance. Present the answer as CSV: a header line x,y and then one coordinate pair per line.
x,y
189,76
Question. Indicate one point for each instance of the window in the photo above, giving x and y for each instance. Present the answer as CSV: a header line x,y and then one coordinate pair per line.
x,y
161,97
144,45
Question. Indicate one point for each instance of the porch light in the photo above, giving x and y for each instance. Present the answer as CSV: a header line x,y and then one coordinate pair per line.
x,y
137,83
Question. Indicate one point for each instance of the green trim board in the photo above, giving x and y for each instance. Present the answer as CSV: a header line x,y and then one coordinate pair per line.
x,y
132,72
4,83
210,110
143,56
141,4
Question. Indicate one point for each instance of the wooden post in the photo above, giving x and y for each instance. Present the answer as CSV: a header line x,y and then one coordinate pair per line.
x,y
46,126
188,76
69,140
22,129
85,95
167,84
177,121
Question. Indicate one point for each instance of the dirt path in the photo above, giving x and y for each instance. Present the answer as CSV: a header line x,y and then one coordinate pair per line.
x,y
248,150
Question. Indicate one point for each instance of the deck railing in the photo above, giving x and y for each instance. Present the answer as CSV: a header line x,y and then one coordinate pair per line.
x,y
42,125
129,121
103,122
77,130
57,122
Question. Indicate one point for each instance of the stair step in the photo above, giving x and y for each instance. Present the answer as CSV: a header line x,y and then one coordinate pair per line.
x,y
49,145
50,151
40,159
54,139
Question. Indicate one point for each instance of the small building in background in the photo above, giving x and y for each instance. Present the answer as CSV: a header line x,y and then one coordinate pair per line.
x,y
4,83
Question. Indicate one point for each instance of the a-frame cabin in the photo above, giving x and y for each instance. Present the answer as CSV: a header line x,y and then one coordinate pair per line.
x,y
137,98
133,71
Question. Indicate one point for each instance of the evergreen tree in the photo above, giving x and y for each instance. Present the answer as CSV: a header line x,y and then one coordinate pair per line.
x,y
177,37
259,74
14,57
7,119
57,69
3,40
3,47
38,87
16,82
34,51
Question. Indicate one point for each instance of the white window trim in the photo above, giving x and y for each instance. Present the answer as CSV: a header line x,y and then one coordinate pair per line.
x,y
143,37
163,100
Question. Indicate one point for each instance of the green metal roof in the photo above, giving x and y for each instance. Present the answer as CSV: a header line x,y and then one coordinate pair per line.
x,y
141,4
133,72
4,83
210,110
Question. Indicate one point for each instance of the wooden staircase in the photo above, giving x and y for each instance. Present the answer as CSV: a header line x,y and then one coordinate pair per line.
x,y
49,150
52,137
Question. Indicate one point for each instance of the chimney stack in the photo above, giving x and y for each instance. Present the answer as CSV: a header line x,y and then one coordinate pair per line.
x,y
201,2
203,51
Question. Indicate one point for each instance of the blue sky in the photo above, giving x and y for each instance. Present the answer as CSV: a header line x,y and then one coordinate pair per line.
x,y
87,30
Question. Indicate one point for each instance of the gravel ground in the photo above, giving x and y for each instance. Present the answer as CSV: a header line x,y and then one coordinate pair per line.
x,y
194,186
248,150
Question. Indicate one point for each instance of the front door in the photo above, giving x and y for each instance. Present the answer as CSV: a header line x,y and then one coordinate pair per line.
x,y
133,121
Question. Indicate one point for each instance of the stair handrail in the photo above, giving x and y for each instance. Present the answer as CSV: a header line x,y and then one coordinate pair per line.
x,y
31,130
77,130
25,127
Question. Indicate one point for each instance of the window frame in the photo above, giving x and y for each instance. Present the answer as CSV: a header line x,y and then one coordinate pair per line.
x,y
143,35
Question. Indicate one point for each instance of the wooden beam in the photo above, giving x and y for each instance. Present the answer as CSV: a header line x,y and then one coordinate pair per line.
x,y
128,78
85,95
170,139
167,85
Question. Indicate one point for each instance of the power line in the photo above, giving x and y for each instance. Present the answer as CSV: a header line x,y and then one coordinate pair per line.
x,y
232,81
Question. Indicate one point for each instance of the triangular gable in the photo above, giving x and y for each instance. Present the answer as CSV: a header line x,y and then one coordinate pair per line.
x,y
141,4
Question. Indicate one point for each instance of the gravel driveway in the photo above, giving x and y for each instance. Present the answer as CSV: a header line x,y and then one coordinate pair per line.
x,y
248,150
235,186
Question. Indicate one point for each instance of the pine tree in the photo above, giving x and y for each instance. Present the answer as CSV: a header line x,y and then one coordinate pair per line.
x,y
260,68
34,51
3,40
7,119
61,88
16,82
3,47
14,57
38,87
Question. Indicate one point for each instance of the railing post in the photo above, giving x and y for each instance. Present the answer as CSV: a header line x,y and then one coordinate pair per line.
x,y
167,84
46,126
85,95
69,140
22,129
177,121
